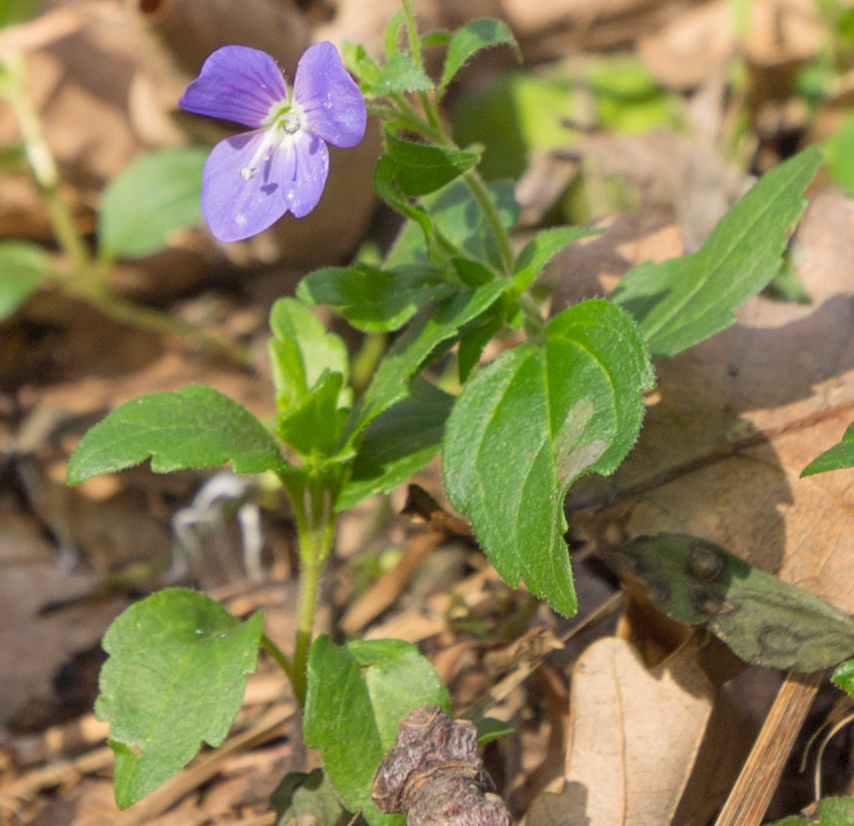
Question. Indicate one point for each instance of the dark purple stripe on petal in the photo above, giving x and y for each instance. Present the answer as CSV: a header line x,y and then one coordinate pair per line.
x,y
330,98
237,84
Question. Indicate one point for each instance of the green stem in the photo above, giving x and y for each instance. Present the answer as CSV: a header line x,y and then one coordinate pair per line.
x,y
481,194
279,656
43,166
412,31
146,318
315,519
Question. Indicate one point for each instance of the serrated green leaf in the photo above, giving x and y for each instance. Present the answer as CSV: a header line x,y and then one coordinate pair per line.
x,y
397,443
459,219
196,426
312,425
372,299
156,195
301,352
400,75
541,249
762,619
174,679
420,168
839,155
24,267
836,458
530,423
683,301
469,40
357,696
432,330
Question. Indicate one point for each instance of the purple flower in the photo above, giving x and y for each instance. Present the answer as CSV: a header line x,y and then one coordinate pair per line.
x,y
252,179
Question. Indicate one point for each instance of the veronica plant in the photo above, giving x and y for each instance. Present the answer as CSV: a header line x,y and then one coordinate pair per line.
x,y
566,402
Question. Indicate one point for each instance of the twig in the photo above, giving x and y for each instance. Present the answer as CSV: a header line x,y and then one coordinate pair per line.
x,y
761,772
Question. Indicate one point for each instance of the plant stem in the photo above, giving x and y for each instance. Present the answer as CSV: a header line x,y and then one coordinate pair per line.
x,y
43,165
481,194
279,656
315,518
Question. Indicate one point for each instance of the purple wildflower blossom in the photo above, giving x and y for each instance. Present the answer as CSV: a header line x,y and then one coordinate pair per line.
x,y
252,179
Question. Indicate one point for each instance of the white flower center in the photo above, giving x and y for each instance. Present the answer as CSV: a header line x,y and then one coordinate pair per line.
x,y
283,121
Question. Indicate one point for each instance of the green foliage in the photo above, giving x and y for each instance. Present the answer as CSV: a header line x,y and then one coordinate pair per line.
x,y
489,729
682,301
421,168
541,249
764,620
433,330
174,679
529,424
193,427
837,457
400,75
833,811
458,219
16,11
397,443
468,40
155,196
839,155
372,299
24,267
301,352
357,696
302,798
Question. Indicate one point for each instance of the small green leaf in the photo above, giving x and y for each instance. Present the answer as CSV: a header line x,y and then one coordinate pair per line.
x,y
306,798
833,811
357,696
420,168
431,331
174,679
397,443
836,458
489,729
459,219
839,155
360,64
762,619
683,301
530,423
476,336
469,40
387,190
371,299
541,249
153,197
391,35
193,427
400,75
313,425
301,352
24,267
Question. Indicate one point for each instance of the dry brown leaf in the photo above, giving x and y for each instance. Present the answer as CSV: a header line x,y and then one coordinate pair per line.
x,y
634,733
742,414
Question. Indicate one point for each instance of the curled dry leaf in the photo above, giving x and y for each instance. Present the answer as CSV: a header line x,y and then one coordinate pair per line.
x,y
434,776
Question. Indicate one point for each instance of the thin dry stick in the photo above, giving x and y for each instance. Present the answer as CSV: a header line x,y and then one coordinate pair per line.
x,y
760,774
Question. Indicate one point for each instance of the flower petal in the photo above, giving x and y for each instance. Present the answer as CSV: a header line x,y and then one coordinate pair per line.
x,y
304,172
238,84
330,98
235,204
